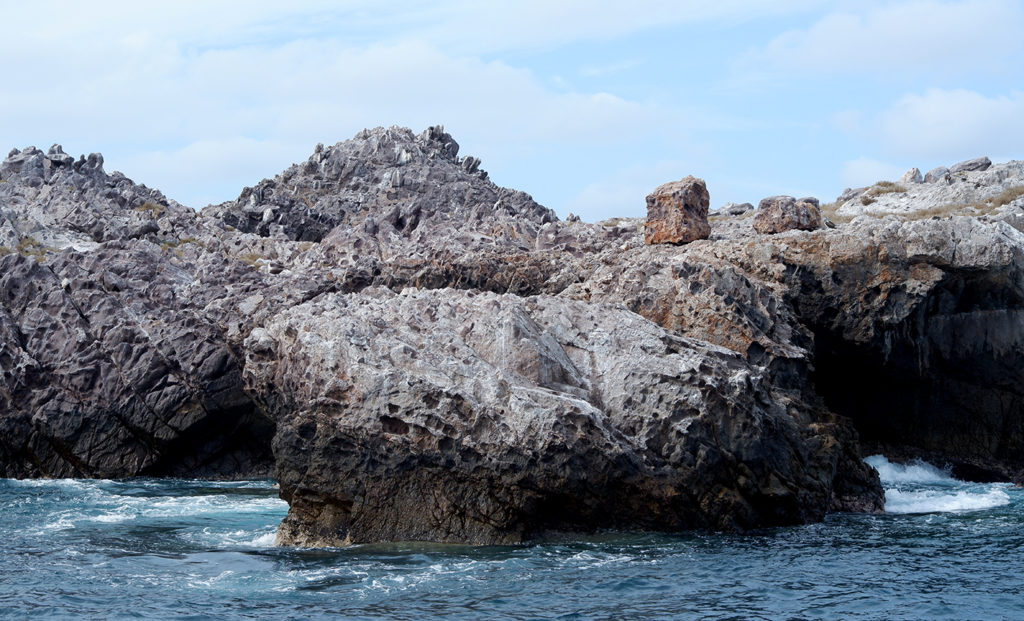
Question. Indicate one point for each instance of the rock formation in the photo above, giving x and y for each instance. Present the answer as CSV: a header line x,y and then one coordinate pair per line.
x,y
971,188
677,212
492,418
416,353
777,214
912,176
976,164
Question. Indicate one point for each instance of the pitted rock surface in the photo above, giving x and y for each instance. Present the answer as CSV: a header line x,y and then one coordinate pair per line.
x,y
491,343
677,212
777,214
492,419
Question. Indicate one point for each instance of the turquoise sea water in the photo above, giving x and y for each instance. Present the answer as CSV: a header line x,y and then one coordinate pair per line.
x,y
175,549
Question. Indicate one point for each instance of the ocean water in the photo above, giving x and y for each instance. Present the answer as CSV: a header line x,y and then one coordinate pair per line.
x,y
176,549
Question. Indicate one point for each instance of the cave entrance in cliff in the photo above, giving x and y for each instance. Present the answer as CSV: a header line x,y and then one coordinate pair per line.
x,y
946,384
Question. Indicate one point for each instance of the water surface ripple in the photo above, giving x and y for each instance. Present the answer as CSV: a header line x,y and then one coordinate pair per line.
x,y
176,549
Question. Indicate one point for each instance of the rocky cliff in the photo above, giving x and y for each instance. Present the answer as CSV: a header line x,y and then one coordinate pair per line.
x,y
416,353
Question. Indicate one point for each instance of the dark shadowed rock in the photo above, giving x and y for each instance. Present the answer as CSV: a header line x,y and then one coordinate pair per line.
x,y
777,214
116,360
917,331
677,212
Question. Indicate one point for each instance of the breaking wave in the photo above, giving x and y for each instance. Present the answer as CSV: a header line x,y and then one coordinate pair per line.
x,y
920,487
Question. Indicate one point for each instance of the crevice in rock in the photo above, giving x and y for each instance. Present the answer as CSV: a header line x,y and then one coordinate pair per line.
x,y
946,384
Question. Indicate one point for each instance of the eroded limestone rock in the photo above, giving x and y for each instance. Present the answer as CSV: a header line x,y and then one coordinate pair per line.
x,y
456,416
677,212
137,337
777,214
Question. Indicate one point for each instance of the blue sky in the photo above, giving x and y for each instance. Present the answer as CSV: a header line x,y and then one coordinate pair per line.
x,y
585,105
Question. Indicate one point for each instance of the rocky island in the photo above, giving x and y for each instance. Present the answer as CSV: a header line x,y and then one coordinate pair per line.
x,y
415,353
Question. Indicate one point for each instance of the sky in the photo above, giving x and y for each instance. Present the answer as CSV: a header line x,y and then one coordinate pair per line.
x,y
586,105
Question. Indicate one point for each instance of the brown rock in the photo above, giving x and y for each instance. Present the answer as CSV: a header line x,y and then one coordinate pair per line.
x,y
677,212
776,214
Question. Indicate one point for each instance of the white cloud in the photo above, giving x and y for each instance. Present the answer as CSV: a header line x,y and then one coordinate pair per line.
x,y
154,104
953,124
866,171
487,27
904,38
166,90
456,26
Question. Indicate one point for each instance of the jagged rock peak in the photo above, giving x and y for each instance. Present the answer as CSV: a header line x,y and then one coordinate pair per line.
x,y
50,198
381,173
32,162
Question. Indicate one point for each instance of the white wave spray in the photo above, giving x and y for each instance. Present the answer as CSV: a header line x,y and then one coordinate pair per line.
x,y
919,487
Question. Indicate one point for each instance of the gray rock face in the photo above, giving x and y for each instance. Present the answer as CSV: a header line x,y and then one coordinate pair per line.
x,y
912,176
483,372
735,209
384,181
111,368
939,173
978,163
777,214
492,419
974,188
57,203
677,212
850,193
117,306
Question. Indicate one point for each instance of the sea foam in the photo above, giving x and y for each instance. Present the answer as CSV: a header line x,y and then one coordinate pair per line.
x,y
915,471
920,487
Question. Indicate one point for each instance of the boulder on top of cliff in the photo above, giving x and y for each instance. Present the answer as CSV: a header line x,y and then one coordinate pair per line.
x,y
976,164
939,173
677,212
777,214
912,176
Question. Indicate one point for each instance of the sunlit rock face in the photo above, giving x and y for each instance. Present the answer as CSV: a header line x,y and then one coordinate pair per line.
x,y
417,353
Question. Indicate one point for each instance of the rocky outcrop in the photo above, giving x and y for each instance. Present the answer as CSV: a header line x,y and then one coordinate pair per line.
x,y
388,183
455,416
972,188
912,176
677,212
939,173
112,368
117,312
777,214
919,338
735,209
976,164
51,201
418,353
